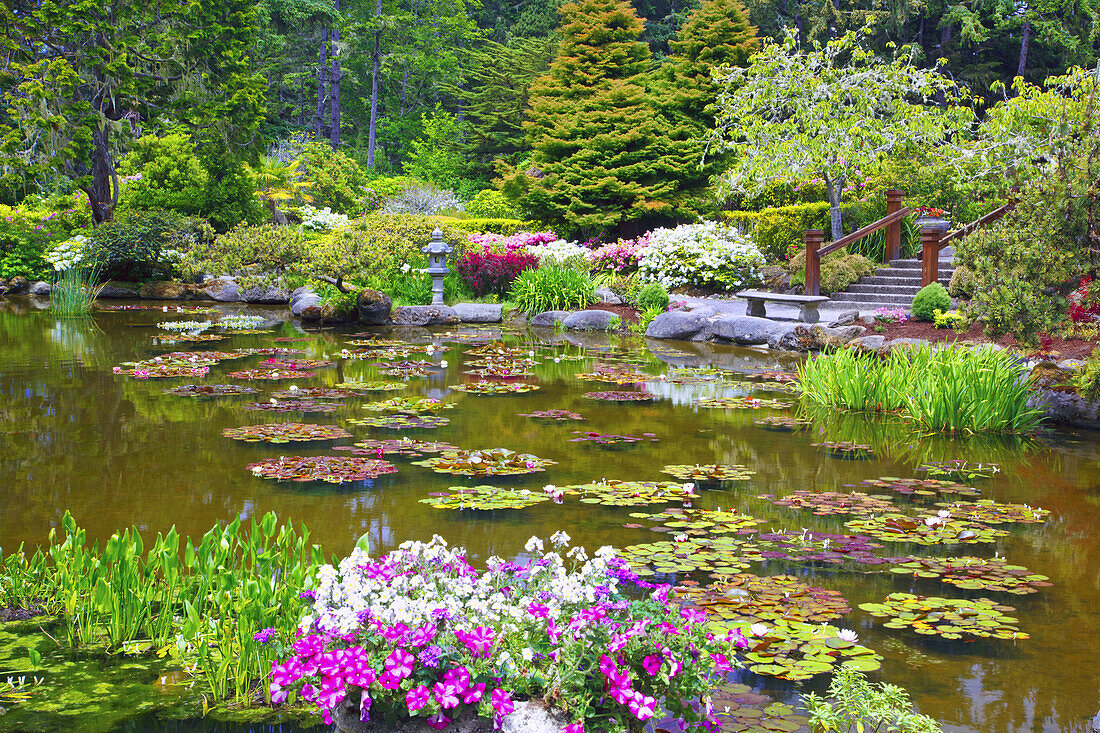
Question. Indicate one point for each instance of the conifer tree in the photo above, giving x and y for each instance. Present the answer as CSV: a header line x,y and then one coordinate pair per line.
x,y
606,162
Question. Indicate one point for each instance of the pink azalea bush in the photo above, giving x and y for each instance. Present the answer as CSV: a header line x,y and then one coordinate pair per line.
x,y
421,633
620,257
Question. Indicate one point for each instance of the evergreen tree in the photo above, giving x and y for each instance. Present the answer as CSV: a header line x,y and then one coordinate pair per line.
x,y
605,159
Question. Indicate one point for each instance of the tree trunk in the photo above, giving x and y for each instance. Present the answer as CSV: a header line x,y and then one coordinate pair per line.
x,y
836,191
334,134
103,192
1024,43
375,58
322,76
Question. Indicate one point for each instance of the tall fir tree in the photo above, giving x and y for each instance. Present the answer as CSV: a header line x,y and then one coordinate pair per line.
x,y
606,161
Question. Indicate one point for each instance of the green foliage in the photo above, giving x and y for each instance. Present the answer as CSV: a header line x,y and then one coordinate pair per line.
x,y
645,318
27,231
1086,379
961,286
541,289
854,704
928,300
605,158
950,319
952,389
335,179
414,287
778,231
435,155
507,227
491,204
260,253
653,296
172,177
145,245
75,291
229,193
838,270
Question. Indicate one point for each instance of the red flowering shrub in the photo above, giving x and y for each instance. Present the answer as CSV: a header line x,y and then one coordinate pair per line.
x,y
1083,304
486,272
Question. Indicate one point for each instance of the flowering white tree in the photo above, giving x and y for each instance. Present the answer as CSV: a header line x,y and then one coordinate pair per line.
x,y
828,111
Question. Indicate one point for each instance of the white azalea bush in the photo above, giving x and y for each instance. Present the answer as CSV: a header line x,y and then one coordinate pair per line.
x,y
561,253
67,254
701,255
321,220
421,633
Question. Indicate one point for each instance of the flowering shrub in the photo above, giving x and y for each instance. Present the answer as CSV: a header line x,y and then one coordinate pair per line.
x,y
28,230
1083,305
520,240
66,254
620,257
891,315
321,220
563,254
706,254
485,271
421,633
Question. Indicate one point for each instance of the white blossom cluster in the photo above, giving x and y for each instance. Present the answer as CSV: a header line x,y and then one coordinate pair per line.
x,y
561,253
706,254
67,254
181,326
321,220
422,583
241,321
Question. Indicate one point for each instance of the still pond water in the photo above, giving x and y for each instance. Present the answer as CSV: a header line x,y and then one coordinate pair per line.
x,y
118,451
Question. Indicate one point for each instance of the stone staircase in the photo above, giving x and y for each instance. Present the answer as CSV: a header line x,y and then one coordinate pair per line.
x,y
890,287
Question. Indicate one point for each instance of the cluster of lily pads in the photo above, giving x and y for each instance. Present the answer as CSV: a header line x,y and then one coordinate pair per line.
x,y
920,487
552,415
485,498
303,406
782,424
701,522
794,650
287,432
711,473
612,492
747,597
495,388
409,447
942,529
270,374
409,405
975,573
492,462
617,396
211,390
948,618
329,469
829,503
845,449
609,440
742,403
401,422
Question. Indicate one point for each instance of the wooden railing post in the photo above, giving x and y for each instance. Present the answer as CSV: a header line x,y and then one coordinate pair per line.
x,y
930,239
813,239
893,232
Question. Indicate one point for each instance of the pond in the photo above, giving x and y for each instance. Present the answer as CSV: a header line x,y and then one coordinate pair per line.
x,y
118,451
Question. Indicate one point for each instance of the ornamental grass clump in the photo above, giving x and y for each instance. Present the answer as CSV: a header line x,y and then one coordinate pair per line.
x,y
552,288
419,633
954,389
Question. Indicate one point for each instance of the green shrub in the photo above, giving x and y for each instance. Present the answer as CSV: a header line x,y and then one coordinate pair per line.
x,y
162,173
653,295
838,270
336,180
778,231
146,245
27,231
491,204
961,286
928,300
949,389
506,227
552,288
855,704
229,195
259,255
1086,379
950,319
389,186
645,318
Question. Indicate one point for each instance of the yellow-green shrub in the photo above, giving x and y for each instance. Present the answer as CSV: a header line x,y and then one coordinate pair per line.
x,y
506,227
379,244
838,270
261,254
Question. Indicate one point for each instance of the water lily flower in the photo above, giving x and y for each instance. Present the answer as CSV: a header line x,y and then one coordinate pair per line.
x,y
758,629
443,364
848,635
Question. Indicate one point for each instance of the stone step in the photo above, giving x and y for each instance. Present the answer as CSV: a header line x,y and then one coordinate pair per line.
x,y
891,289
880,298
944,272
889,280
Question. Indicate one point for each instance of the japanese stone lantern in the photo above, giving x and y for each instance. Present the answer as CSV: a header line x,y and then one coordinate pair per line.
x,y
437,251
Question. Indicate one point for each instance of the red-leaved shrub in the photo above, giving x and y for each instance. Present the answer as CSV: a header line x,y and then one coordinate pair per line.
x,y
493,272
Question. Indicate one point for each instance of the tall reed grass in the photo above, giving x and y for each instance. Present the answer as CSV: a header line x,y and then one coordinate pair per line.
x,y
955,389
76,289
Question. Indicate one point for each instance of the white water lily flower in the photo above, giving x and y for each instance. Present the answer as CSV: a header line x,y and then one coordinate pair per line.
x,y
293,388
758,629
847,635
443,364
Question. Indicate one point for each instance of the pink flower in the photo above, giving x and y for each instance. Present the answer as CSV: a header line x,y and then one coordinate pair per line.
x,y
642,706
652,664
721,664
331,693
577,727
416,698
473,694
502,702
278,694
459,677
479,642
439,721
400,663
446,695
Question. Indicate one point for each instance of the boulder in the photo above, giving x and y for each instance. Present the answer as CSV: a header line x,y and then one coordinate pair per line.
x,y
868,343
1067,408
373,307
550,318
595,320
424,315
162,290
803,337
119,290
18,285
678,325
304,301
40,289
746,330
606,295
266,294
479,312
846,318
1070,365
312,313
223,289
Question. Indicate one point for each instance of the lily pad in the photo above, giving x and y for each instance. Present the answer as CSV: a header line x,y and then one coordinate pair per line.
x,y
211,390
287,432
375,386
271,351
939,530
782,424
959,469
697,376
297,365
408,447
701,522
920,487
609,440
774,376
406,368
747,597
611,492
740,709
315,393
499,371
329,469
975,573
485,498
948,618
552,415
401,422
495,388
499,349
613,376
492,462
794,650
988,511
742,403
845,449
829,503
187,338
409,405
270,374
303,406
163,371
615,396
710,473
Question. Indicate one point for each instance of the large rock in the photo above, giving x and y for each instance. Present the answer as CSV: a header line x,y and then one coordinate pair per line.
x,y
867,343
606,295
223,289
313,312
374,308
266,294
119,291
845,318
550,318
479,312
594,320
424,315
1066,408
814,337
163,290
40,289
677,325
301,302
18,285
746,330
904,344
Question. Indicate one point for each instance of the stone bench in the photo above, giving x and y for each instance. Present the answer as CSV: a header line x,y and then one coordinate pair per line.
x,y
807,303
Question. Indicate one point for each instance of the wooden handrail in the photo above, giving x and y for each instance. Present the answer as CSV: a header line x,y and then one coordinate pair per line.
x,y
979,222
869,229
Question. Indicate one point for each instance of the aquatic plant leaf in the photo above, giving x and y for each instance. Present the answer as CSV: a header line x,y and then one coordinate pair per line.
x,y
304,406
829,503
709,473
794,650
271,351
612,376
959,469
742,403
988,511
270,374
975,573
947,617
746,597
211,390
919,487
740,709
845,449
164,371
315,393
401,422
925,530
491,462
409,447
495,388
611,492
287,432
374,386
609,440
701,522
297,365
409,405
782,424
329,469
485,498
552,415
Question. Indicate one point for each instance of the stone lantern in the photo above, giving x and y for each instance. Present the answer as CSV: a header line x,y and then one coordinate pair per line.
x,y
437,251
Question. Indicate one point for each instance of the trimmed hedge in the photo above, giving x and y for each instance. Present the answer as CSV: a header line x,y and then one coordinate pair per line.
x,y
838,270
778,231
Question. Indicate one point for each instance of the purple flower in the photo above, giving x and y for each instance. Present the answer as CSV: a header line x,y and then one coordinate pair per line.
x,y
265,636
429,656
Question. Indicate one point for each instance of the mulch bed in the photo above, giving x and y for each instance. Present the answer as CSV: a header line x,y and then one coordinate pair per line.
x,y
625,312
912,329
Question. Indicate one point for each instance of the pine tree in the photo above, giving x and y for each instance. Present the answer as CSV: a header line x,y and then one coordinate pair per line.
x,y
607,160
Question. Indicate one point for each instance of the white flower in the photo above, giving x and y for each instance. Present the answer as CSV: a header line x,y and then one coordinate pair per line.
x,y
847,635
758,629
559,538
443,364
293,388
533,545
